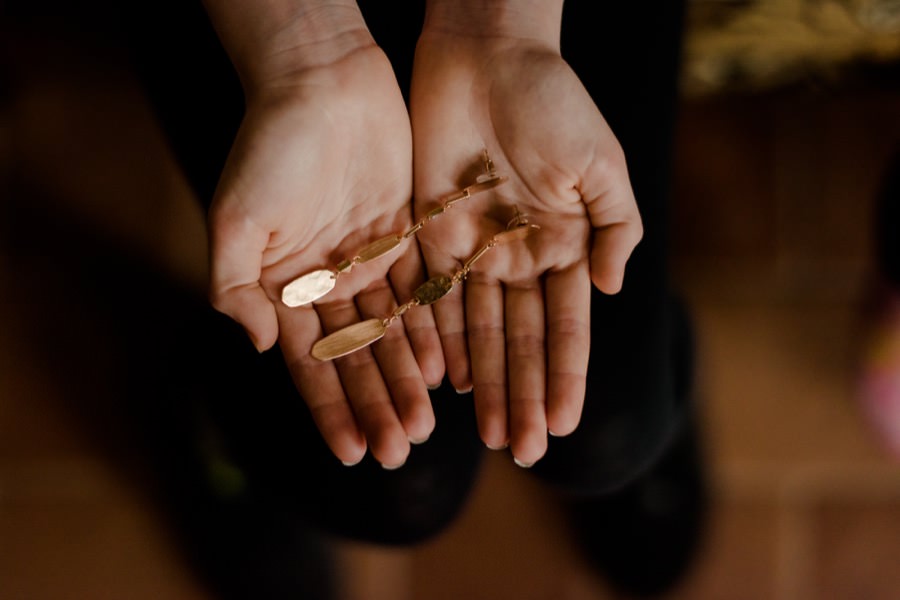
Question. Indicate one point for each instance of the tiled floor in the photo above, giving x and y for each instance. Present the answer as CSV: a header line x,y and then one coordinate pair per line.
x,y
771,228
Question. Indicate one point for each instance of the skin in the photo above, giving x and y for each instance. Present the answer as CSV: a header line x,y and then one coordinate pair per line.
x,y
324,164
519,333
321,166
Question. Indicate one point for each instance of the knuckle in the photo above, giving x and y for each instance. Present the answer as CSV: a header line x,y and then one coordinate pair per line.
x,y
527,425
356,361
573,331
525,345
488,330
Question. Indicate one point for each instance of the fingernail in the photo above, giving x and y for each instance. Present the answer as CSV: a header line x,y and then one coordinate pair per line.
x,y
524,465
500,447
433,387
392,467
465,391
550,431
350,464
417,441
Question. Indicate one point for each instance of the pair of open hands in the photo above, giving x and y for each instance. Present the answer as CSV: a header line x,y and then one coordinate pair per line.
x,y
324,164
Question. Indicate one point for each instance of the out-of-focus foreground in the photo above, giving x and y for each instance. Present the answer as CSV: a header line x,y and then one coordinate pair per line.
x,y
776,176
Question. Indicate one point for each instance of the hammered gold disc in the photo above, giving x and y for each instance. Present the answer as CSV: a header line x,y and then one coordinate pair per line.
x,y
349,339
308,288
433,290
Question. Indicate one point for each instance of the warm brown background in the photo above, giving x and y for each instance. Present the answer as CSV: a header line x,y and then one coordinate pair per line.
x,y
776,175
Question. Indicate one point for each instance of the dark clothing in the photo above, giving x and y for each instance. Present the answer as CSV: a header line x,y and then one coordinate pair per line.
x,y
627,57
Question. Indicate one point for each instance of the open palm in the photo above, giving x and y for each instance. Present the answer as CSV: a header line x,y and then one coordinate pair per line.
x,y
319,169
519,331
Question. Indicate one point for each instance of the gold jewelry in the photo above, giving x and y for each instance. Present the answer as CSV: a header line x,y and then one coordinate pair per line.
x,y
359,335
311,286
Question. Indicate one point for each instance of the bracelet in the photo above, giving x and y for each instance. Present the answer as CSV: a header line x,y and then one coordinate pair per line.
x,y
359,335
311,286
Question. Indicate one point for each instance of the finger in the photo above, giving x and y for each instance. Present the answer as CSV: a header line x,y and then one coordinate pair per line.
x,y
236,249
406,275
527,372
449,315
487,343
398,367
319,384
610,250
568,296
437,171
614,215
366,391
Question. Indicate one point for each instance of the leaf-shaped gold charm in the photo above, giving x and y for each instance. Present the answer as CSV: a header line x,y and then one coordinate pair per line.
x,y
349,339
515,234
379,248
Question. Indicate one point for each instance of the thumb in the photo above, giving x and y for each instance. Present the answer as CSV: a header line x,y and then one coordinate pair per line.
x,y
610,249
236,249
616,221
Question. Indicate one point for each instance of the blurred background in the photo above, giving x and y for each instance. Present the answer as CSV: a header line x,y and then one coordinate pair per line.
x,y
790,114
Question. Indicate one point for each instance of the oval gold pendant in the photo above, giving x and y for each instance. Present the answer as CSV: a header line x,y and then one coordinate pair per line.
x,y
308,288
433,290
349,339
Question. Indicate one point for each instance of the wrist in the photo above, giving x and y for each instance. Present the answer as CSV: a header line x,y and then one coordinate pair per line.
x,y
536,21
272,41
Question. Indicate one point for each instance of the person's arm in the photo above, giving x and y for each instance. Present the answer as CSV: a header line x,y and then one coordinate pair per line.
x,y
271,41
536,21
321,167
489,74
